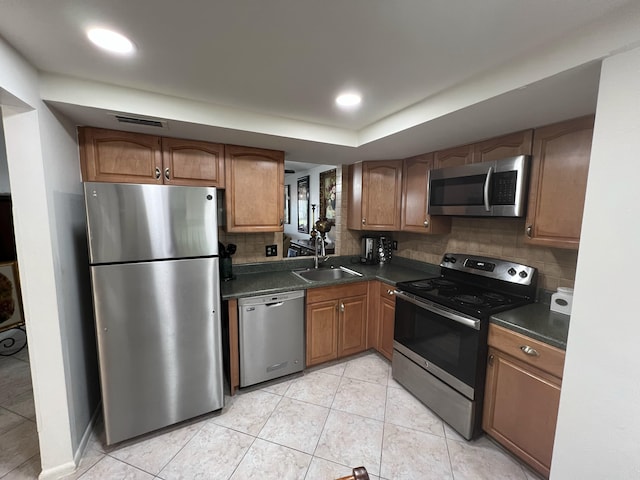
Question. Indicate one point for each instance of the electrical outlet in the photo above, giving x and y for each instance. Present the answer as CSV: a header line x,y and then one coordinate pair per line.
x,y
395,244
271,250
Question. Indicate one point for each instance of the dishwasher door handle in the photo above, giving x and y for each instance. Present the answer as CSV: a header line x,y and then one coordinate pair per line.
x,y
275,304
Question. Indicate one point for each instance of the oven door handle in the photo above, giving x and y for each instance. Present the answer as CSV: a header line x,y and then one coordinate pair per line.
x,y
467,322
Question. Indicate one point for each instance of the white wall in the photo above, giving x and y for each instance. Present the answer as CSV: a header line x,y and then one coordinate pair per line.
x,y
4,168
598,433
48,213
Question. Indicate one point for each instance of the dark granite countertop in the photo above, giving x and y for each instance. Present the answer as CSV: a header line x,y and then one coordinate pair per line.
x,y
273,277
536,321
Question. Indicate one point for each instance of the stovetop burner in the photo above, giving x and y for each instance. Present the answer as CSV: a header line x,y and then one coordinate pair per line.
x,y
469,299
431,283
477,286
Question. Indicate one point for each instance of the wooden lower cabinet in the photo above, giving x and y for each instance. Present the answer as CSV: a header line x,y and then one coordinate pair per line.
x,y
522,395
336,322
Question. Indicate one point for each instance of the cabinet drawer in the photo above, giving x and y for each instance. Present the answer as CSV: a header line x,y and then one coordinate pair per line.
x,y
335,292
545,357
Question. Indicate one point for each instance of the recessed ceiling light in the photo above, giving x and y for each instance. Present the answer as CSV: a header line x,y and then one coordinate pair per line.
x,y
110,41
348,100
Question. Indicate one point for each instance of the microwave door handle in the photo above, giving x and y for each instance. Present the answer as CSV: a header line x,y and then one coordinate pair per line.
x,y
487,185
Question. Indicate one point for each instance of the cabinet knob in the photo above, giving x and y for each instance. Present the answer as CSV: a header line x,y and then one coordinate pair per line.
x,y
342,307
158,173
364,221
389,292
426,224
490,359
281,221
532,352
529,230
166,173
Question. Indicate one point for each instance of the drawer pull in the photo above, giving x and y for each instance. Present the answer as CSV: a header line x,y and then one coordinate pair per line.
x,y
527,350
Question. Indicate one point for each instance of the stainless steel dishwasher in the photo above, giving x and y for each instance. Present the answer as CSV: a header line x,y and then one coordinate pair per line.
x,y
271,336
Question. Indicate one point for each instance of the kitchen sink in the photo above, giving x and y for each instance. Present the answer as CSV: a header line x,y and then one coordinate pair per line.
x,y
326,274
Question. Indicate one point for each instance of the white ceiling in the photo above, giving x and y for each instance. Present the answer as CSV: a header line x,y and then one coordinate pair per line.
x,y
283,61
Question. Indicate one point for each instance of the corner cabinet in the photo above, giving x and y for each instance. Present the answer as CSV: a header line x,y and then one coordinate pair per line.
x,y
336,320
559,170
125,157
522,395
375,195
254,193
415,198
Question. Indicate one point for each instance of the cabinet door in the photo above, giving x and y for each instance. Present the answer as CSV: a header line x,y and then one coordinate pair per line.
x,y
322,332
512,145
521,409
386,312
188,162
375,195
353,325
114,156
561,154
254,191
415,196
454,157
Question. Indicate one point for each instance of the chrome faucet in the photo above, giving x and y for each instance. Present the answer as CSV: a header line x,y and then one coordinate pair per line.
x,y
322,249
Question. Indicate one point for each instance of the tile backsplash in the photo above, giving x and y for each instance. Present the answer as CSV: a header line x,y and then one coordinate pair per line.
x,y
493,237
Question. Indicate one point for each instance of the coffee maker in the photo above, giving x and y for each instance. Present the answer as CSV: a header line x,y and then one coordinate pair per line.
x,y
375,249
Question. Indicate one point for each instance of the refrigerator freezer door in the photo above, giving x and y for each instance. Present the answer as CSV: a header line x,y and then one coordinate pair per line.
x,y
159,343
128,222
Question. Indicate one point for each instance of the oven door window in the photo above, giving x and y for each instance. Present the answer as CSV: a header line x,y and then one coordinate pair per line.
x,y
446,343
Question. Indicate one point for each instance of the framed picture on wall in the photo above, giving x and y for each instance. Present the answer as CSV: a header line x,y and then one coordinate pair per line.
x,y
303,204
328,196
10,299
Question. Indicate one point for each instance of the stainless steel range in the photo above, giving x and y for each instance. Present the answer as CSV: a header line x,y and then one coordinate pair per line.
x,y
440,332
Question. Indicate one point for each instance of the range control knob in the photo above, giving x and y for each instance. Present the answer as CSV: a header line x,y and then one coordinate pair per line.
x,y
453,260
523,274
446,259
512,271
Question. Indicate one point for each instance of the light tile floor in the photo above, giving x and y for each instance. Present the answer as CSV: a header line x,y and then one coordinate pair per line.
x,y
315,426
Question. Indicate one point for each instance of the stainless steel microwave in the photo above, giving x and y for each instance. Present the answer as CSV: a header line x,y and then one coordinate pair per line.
x,y
491,189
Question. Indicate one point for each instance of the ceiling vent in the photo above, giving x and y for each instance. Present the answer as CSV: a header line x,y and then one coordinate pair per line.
x,y
140,121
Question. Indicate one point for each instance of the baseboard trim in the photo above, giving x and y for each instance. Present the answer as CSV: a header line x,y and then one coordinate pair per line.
x,y
70,467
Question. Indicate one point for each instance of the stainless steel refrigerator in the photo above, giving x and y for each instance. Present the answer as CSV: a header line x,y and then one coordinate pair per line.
x,y
153,251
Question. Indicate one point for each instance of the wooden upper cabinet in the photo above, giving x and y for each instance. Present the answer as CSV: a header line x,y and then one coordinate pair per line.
x,y
454,157
559,170
375,195
415,197
190,162
512,145
115,156
254,193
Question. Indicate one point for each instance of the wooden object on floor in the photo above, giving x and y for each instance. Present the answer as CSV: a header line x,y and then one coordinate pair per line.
x,y
359,473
